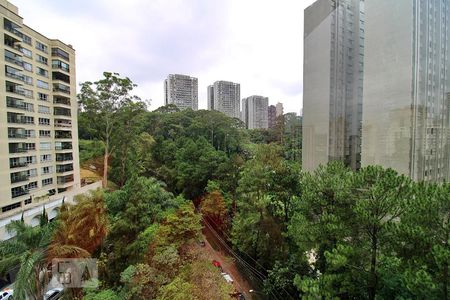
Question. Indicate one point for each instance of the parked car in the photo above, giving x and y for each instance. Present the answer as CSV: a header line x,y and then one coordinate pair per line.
x,y
227,277
53,294
6,294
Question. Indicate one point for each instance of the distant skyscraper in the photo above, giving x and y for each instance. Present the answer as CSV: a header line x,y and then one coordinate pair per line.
x,y
210,96
279,109
272,114
224,96
333,82
182,91
406,84
255,112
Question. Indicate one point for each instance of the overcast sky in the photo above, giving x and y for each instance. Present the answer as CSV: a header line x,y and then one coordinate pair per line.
x,y
257,43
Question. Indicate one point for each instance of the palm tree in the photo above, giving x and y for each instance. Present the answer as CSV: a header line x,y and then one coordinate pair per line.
x,y
28,251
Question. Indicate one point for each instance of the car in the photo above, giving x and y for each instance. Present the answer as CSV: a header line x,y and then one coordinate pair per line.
x,y
53,294
227,277
6,294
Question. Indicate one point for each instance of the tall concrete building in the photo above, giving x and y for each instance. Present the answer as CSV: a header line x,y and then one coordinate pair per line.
x,y
210,99
181,90
38,118
333,82
255,112
224,96
406,86
279,109
272,116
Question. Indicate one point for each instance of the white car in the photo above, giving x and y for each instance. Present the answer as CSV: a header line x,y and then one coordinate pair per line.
x,y
53,294
6,294
227,277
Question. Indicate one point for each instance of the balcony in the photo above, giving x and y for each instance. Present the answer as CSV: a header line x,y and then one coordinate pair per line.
x,y
60,76
64,157
13,28
63,146
16,133
14,75
16,88
13,58
19,191
60,53
19,177
63,134
59,111
18,104
64,168
61,88
58,100
12,42
65,179
63,123
15,163
17,148
15,118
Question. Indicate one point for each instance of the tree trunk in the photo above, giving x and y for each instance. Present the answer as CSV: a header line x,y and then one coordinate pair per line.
x,y
373,275
105,167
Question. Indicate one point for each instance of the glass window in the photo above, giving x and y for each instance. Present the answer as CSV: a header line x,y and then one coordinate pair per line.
x,y
45,146
26,39
46,158
44,109
42,59
43,97
42,84
27,66
44,121
26,52
41,47
47,181
41,72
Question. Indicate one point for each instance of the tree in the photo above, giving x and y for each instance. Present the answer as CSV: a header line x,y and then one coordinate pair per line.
x,y
214,209
132,210
104,101
81,227
28,250
382,199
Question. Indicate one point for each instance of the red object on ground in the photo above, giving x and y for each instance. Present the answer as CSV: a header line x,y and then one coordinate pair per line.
x,y
216,263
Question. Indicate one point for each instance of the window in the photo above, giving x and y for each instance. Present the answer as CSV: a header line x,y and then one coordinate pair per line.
x,y
30,133
58,87
44,133
57,64
32,173
44,109
13,73
46,158
60,53
43,97
27,66
33,185
42,59
44,121
16,192
28,120
45,145
27,79
41,72
27,93
31,159
41,47
30,146
42,84
26,39
47,181
46,170
26,52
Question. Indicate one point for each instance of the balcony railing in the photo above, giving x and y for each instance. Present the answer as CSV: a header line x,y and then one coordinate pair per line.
x,y
64,168
65,179
63,147
63,136
18,193
14,61
60,53
61,158
18,165
19,178
60,100
14,76
11,27
61,89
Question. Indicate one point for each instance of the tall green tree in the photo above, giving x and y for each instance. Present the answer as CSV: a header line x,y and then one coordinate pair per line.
x,y
103,102
28,250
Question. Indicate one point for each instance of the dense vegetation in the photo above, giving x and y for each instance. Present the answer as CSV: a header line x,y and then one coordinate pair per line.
x,y
331,234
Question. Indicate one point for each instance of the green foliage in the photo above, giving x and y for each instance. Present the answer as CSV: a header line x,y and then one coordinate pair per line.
x,y
134,209
90,149
101,295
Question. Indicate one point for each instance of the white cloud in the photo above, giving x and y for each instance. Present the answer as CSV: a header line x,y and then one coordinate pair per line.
x,y
257,43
